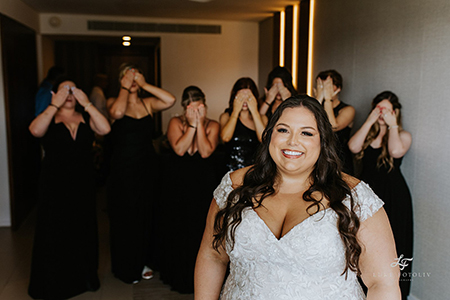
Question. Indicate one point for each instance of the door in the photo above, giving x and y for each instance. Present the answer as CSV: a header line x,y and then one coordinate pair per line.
x,y
83,57
20,81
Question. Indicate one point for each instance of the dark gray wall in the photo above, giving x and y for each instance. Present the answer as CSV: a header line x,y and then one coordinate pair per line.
x,y
403,47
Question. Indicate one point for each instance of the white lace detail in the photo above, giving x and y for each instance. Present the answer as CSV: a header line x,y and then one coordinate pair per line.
x,y
223,190
305,264
367,201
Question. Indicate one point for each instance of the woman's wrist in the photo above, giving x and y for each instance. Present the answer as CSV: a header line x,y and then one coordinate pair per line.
x,y
393,126
191,126
126,89
201,123
54,105
234,116
87,106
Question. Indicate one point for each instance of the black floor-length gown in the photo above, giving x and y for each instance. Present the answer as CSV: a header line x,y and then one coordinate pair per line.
x,y
130,191
343,136
391,187
65,251
188,186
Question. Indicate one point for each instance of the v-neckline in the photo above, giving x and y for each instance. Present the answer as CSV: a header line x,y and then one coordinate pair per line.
x,y
137,119
290,230
73,137
230,182
245,125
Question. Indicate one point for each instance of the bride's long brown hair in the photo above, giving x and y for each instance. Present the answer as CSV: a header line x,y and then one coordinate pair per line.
x,y
326,180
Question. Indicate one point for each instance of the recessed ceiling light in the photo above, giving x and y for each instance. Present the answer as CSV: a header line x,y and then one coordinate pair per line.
x,y
126,44
126,38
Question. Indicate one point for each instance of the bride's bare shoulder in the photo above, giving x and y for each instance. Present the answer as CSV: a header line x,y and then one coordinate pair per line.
x,y
237,177
350,180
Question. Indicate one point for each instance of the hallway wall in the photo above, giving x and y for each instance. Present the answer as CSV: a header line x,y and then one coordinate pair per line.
x,y
213,62
403,47
5,217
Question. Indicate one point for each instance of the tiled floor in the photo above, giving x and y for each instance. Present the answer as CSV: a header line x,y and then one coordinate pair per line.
x,y
15,256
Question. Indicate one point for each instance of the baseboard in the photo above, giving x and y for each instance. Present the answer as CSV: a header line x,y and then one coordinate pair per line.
x,y
5,222
412,297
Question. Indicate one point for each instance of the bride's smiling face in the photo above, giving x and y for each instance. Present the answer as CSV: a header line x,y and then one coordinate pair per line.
x,y
295,142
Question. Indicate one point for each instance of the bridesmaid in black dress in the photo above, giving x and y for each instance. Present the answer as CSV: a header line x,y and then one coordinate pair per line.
x,y
278,88
188,183
65,251
133,174
380,145
340,114
242,125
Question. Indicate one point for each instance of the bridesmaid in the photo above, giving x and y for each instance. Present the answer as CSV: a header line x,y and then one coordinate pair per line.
x,y
193,138
242,125
65,252
340,114
380,145
134,171
279,87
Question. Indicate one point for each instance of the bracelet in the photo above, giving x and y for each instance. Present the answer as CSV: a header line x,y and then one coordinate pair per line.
x,y
189,124
51,104
395,126
267,103
89,104
128,90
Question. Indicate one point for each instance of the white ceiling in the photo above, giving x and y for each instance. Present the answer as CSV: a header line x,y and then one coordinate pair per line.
x,y
235,10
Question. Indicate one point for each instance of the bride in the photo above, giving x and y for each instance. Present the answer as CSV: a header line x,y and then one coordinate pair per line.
x,y
292,226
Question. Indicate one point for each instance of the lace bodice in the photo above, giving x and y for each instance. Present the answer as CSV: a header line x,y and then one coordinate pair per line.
x,y
304,264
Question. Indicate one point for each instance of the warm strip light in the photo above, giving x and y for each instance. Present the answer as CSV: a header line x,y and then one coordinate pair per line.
x,y
126,44
126,38
295,45
310,48
282,25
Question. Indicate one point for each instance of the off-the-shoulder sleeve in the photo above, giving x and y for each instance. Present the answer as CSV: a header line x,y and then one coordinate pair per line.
x,y
368,203
223,190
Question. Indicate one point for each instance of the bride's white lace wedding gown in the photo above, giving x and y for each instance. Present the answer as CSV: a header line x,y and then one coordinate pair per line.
x,y
305,264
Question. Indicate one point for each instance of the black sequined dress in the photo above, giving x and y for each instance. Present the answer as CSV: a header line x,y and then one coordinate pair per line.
x,y
240,151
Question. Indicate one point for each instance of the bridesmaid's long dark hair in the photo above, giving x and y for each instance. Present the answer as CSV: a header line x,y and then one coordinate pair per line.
x,y
326,179
240,84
